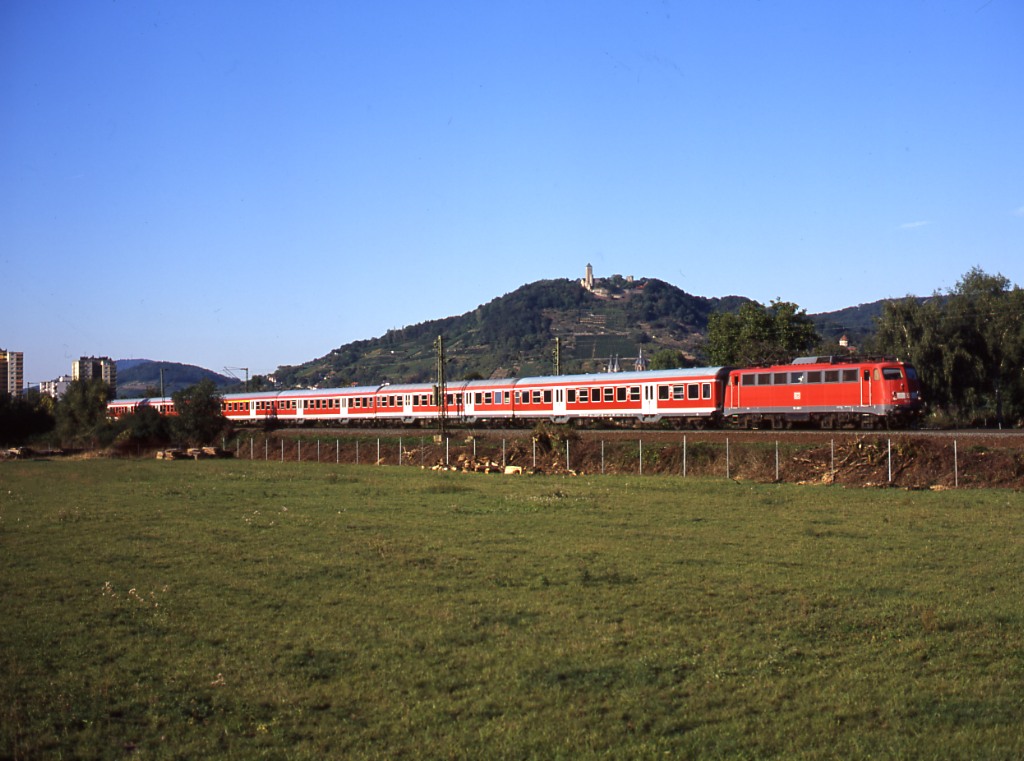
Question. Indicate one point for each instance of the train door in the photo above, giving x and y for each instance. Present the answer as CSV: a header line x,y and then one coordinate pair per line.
x,y
649,405
865,387
558,403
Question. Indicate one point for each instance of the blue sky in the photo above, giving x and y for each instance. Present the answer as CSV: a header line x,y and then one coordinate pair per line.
x,y
253,184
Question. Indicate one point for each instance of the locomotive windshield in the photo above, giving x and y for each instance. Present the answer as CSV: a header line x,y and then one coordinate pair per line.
x,y
891,373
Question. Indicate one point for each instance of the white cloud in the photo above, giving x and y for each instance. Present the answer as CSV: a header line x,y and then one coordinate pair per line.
x,y
913,225
1019,211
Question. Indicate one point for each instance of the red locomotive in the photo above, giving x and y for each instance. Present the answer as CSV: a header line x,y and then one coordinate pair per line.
x,y
827,394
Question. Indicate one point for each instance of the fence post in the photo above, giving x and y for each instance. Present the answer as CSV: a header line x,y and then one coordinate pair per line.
x,y
503,453
641,457
399,450
776,461
684,455
250,448
357,451
832,462
956,468
337,451
890,461
378,451
567,454
727,458
602,458
282,450
266,450
318,450
300,450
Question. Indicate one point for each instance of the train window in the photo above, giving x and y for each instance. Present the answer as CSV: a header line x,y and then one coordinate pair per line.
x,y
584,395
488,397
609,394
547,396
705,390
764,379
891,373
678,393
749,380
693,391
634,394
570,395
831,376
535,397
781,379
911,372
620,394
392,402
876,374
849,376
796,377
814,376
663,392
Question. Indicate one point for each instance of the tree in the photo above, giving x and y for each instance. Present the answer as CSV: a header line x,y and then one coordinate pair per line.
x,y
82,414
666,359
145,427
22,417
967,345
198,417
759,335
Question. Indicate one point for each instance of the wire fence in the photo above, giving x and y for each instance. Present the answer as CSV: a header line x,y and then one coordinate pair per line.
x,y
875,461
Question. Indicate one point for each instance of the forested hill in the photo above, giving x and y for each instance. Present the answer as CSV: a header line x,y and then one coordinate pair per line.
x,y
515,335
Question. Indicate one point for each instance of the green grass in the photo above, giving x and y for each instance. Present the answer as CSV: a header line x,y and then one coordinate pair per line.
x,y
266,610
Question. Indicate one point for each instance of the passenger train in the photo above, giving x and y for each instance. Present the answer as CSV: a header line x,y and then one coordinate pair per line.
x,y
818,391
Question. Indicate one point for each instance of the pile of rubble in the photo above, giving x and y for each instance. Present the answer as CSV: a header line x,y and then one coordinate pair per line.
x,y
469,464
193,453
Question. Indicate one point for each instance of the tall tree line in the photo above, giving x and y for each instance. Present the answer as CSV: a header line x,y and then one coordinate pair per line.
x,y
968,346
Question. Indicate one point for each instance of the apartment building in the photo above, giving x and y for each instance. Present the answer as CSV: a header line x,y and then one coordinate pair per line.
x,y
12,371
88,368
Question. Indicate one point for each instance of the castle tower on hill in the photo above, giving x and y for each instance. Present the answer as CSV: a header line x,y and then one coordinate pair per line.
x,y
588,280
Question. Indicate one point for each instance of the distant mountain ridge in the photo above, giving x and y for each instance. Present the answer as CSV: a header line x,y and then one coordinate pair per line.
x,y
140,377
515,334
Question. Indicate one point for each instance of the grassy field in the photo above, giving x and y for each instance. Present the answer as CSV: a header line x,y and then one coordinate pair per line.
x,y
266,610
